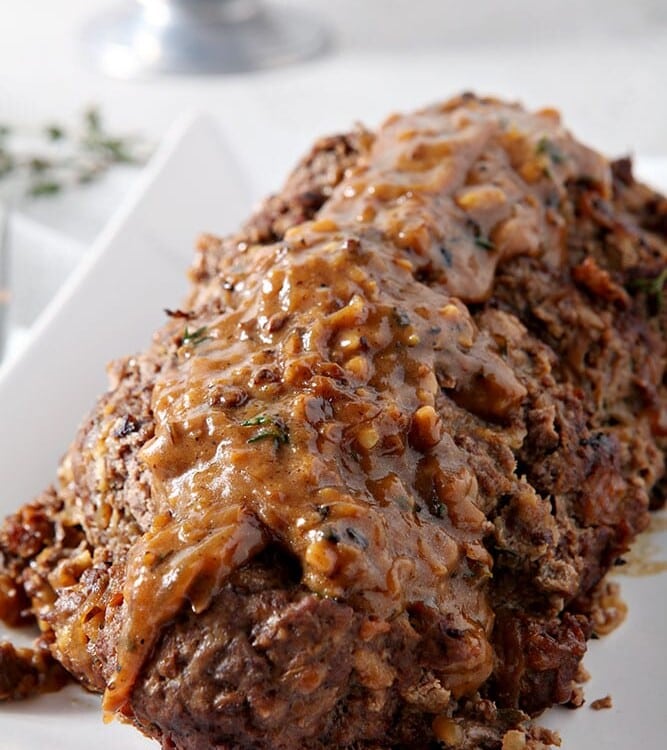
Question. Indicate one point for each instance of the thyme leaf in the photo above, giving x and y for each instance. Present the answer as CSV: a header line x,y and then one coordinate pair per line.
x,y
480,239
276,429
45,187
484,242
278,436
93,120
546,147
356,537
195,337
653,287
447,258
54,132
38,164
401,317
6,163
261,419
437,508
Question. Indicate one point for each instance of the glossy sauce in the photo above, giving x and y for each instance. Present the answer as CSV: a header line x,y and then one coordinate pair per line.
x,y
308,412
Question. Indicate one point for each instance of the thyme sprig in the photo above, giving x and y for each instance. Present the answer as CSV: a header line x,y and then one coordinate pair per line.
x,y
55,158
276,429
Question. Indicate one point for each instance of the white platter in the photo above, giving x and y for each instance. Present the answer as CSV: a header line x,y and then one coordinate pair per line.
x,y
110,307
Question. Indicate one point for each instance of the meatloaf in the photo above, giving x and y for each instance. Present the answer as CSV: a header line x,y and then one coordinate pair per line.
x,y
363,488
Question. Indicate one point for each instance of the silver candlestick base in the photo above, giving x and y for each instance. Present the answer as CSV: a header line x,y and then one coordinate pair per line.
x,y
150,37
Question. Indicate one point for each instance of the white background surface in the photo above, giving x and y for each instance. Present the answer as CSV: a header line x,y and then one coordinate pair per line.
x,y
603,63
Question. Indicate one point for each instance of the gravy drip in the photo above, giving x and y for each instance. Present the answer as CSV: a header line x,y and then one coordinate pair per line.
x,y
307,413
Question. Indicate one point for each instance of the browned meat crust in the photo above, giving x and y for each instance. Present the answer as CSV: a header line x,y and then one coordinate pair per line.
x,y
564,480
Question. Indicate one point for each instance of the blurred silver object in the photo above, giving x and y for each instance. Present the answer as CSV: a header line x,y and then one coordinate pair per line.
x,y
149,37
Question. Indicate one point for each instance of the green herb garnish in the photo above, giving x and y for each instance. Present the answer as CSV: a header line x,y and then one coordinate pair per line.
x,y
547,147
276,429
484,242
401,317
195,337
47,187
54,132
93,120
331,535
6,162
480,239
278,435
447,257
261,419
356,537
653,287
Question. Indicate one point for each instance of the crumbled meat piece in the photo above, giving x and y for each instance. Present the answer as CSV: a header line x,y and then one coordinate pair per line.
x,y
25,672
601,703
